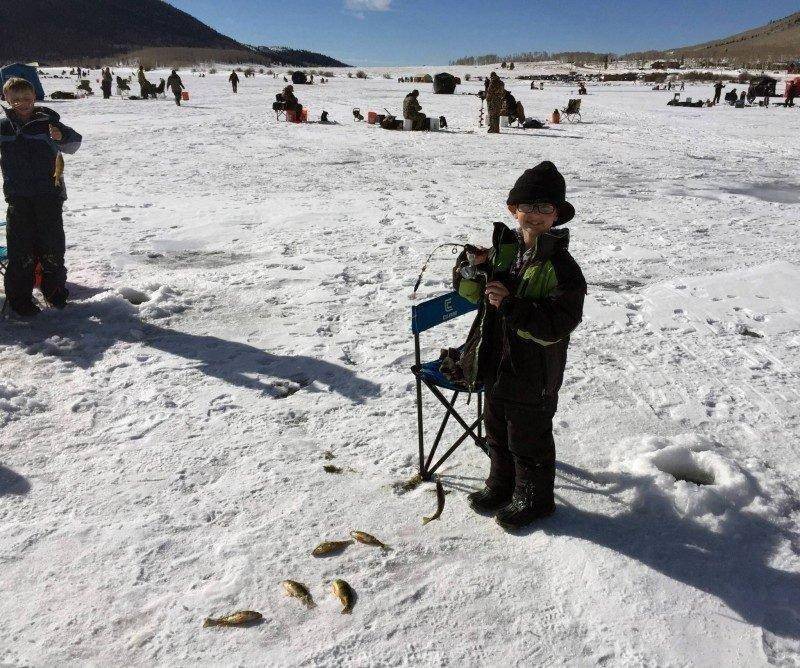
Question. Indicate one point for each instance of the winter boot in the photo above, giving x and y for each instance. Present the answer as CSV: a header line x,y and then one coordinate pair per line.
x,y
499,486
58,298
533,497
488,501
26,308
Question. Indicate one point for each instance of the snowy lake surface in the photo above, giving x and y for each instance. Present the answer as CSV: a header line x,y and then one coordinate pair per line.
x,y
241,294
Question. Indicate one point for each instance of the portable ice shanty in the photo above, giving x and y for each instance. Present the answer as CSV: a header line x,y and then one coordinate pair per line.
x,y
792,88
761,86
27,72
299,78
444,83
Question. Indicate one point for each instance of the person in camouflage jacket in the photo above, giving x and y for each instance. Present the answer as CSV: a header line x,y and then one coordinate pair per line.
x,y
412,110
495,95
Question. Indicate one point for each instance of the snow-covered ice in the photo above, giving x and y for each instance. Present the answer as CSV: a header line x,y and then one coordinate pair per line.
x,y
241,301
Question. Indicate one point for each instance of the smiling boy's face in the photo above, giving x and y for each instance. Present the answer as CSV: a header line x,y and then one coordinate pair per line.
x,y
533,224
22,103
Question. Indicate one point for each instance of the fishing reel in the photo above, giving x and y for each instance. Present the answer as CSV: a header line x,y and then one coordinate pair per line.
x,y
472,273
478,263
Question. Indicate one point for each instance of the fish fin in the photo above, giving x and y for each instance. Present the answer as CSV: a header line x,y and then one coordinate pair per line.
x,y
347,610
425,520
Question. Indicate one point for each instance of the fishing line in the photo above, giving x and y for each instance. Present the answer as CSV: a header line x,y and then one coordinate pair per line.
x,y
455,248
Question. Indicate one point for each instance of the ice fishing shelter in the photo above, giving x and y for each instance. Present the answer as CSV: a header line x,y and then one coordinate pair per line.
x,y
299,77
761,86
444,83
792,88
27,72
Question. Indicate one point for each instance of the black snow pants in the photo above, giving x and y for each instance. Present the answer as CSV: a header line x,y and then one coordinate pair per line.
x,y
34,231
521,445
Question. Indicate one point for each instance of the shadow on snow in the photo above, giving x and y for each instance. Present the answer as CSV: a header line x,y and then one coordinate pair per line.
x,y
83,333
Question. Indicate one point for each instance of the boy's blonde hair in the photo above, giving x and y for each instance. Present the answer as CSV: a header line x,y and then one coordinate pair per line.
x,y
17,85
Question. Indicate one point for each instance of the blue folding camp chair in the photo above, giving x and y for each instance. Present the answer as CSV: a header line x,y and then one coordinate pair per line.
x,y
424,316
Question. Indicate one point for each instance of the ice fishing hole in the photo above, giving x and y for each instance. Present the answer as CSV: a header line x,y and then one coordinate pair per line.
x,y
687,472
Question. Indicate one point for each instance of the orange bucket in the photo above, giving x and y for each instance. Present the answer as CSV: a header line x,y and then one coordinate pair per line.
x,y
185,96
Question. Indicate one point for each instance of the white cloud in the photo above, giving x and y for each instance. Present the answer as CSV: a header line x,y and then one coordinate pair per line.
x,y
368,5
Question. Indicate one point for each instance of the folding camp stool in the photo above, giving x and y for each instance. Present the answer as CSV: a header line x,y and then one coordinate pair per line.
x,y
572,112
279,107
424,316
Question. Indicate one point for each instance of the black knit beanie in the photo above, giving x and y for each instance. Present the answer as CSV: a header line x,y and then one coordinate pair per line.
x,y
543,182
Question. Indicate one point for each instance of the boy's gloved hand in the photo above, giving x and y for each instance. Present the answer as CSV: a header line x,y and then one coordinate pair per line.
x,y
477,255
496,292
55,133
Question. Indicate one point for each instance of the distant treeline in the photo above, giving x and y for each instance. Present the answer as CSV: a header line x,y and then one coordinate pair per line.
x,y
536,57
299,57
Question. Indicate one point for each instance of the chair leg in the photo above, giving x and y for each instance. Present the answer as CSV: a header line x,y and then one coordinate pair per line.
x,y
469,429
455,445
441,431
420,434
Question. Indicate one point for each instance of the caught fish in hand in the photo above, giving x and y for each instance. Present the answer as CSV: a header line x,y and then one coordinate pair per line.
x,y
58,171
368,539
330,547
344,592
299,591
439,503
241,618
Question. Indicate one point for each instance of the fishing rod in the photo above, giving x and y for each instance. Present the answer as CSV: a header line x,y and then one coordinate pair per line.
x,y
455,248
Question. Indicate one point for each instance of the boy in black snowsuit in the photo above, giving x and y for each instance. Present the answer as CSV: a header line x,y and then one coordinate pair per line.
x,y
531,301
31,139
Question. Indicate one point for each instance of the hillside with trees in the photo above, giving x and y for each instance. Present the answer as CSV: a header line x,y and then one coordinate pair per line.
x,y
777,41
83,31
774,43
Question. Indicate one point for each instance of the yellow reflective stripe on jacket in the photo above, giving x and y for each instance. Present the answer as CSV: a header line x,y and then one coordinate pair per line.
x,y
521,333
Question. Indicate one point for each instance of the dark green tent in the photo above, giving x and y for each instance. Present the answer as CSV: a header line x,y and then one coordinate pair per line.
x,y
761,86
445,84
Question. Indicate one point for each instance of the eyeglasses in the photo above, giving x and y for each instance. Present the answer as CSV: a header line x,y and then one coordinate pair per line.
x,y
537,207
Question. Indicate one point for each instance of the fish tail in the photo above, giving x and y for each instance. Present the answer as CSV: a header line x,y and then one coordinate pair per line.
x,y
210,622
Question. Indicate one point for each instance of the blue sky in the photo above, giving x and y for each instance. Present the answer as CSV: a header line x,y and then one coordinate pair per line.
x,y
428,32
